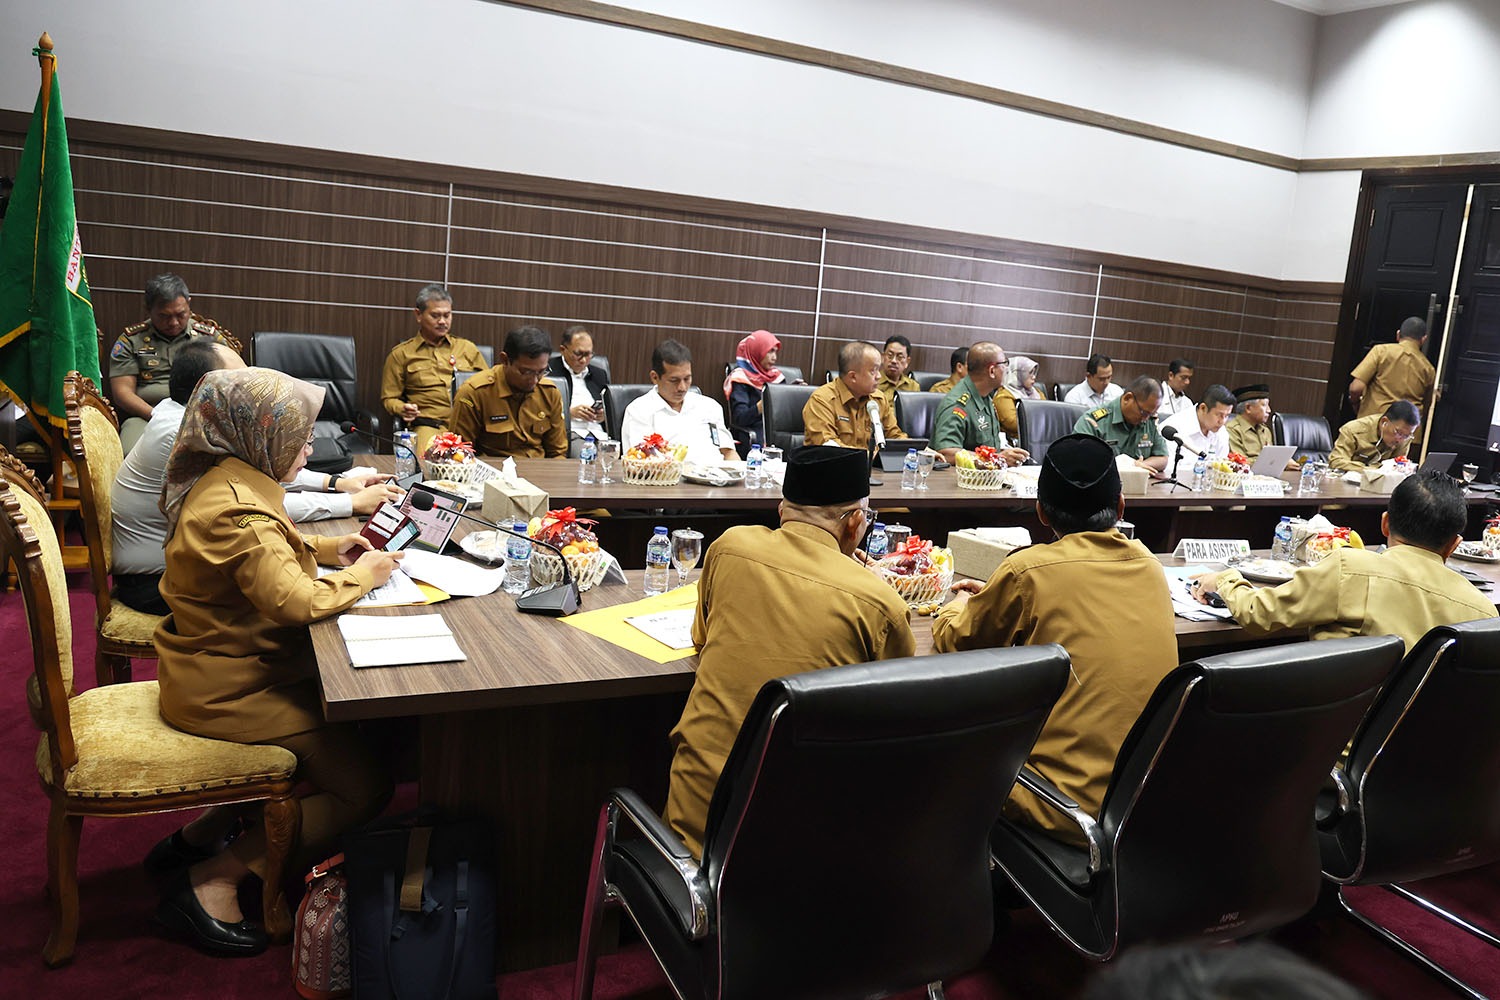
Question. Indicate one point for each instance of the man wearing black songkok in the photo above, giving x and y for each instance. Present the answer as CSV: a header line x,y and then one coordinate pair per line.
x,y
779,602
1103,597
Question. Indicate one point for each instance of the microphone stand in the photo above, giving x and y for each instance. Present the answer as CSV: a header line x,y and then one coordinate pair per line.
x,y
405,482
1177,460
555,600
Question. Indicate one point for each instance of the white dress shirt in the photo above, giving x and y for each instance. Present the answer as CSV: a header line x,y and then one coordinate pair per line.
x,y
1172,403
308,499
1082,395
140,528
699,425
581,395
1216,444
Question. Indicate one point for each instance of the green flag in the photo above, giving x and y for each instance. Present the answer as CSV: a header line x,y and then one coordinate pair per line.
x,y
46,317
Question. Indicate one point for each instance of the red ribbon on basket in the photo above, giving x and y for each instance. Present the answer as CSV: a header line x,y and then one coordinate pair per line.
x,y
554,521
913,546
446,445
989,456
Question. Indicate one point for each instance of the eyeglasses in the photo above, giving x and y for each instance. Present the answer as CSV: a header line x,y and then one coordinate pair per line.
x,y
865,509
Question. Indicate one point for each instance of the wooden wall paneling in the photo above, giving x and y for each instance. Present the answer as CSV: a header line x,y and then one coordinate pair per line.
x,y
1145,322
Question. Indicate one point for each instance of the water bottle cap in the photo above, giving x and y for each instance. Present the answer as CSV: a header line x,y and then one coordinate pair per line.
x,y
660,530
911,451
879,525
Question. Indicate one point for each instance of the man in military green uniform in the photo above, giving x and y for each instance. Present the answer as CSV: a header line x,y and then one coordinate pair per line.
x,y
1128,424
416,383
512,409
140,361
966,417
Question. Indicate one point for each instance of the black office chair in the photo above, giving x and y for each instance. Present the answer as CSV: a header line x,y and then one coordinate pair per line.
x,y
781,406
1206,831
618,396
1058,392
1043,421
829,375
328,361
926,380
916,412
1308,434
1418,796
487,351
845,852
602,361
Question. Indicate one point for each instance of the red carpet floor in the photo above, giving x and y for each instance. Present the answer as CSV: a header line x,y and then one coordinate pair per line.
x,y
121,953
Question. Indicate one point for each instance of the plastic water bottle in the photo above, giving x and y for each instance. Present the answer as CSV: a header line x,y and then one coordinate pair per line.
x,y
909,470
517,561
1201,480
658,562
753,462
880,543
1307,482
406,454
1281,544
588,461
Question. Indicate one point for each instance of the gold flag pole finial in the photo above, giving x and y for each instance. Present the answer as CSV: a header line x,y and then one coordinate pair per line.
x,y
49,66
45,43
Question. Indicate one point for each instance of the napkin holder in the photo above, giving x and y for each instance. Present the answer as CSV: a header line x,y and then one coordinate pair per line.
x,y
508,500
978,552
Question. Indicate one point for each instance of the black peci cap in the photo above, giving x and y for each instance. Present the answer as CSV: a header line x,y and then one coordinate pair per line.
x,y
1079,475
825,476
1246,393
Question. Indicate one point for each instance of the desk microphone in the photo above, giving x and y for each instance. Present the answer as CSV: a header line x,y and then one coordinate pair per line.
x,y
877,438
555,599
1171,434
405,482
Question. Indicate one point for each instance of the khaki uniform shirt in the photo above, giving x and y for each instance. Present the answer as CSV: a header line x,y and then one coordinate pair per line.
x,y
966,419
1359,445
501,422
834,415
422,373
1247,438
236,661
837,613
1108,422
143,352
945,386
1395,371
1403,591
888,389
1119,651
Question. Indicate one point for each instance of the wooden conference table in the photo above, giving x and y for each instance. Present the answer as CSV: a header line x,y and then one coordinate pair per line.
x,y
542,720
1162,515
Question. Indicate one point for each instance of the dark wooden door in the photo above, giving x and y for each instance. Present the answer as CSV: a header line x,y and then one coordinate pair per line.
x,y
1464,420
1408,266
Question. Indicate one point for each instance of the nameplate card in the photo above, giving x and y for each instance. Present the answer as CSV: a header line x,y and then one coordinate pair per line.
x,y
1024,488
1211,549
1257,486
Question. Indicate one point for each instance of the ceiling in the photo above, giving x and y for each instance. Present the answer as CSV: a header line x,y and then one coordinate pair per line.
x,y
1338,6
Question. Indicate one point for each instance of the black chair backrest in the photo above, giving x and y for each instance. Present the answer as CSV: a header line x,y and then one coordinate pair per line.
x,y
320,358
1308,434
890,775
487,351
792,373
616,398
781,406
602,361
916,412
829,375
925,381
1043,421
1058,392
1424,766
1211,804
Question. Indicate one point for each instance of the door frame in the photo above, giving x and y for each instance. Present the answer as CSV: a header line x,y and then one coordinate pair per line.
x,y
1369,182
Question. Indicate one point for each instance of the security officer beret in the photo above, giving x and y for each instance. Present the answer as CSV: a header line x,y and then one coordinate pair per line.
x,y
1246,393
1079,475
824,476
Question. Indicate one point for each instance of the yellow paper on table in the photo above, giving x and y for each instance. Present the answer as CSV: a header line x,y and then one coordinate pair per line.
x,y
610,625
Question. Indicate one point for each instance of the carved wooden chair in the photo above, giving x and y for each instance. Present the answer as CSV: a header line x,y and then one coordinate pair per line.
x,y
107,751
93,443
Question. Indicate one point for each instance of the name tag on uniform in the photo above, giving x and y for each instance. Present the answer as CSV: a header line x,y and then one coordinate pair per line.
x,y
499,417
844,419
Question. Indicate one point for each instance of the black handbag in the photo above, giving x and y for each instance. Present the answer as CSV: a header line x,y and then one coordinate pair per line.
x,y
422,910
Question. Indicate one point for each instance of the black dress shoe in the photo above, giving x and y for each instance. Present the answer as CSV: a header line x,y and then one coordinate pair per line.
x,y
180,911
174,852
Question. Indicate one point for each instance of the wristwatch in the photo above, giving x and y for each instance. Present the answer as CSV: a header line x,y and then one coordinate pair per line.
x,y
333,482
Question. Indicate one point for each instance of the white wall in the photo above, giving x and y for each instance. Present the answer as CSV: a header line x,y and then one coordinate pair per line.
x,y
486,85
1420,78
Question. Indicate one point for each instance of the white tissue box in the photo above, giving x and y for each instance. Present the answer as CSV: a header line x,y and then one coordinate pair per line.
x,y
978,552
1385,478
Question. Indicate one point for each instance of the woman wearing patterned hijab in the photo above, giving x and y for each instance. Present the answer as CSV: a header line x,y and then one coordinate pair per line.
x,y
236,660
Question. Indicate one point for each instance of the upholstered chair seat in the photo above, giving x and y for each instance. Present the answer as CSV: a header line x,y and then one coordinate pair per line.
x,y
125,624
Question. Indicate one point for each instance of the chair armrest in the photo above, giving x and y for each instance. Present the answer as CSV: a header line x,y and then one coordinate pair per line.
x,y
1334,799
670,846
1053,796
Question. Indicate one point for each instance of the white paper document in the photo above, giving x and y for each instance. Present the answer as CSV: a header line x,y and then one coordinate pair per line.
x,y
380,641
396,592
673,629
457,577
1184,604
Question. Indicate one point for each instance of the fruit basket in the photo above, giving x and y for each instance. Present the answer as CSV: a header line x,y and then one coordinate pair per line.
x,y
653,462
580,546
980,469
918,572
1227,473
450,457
